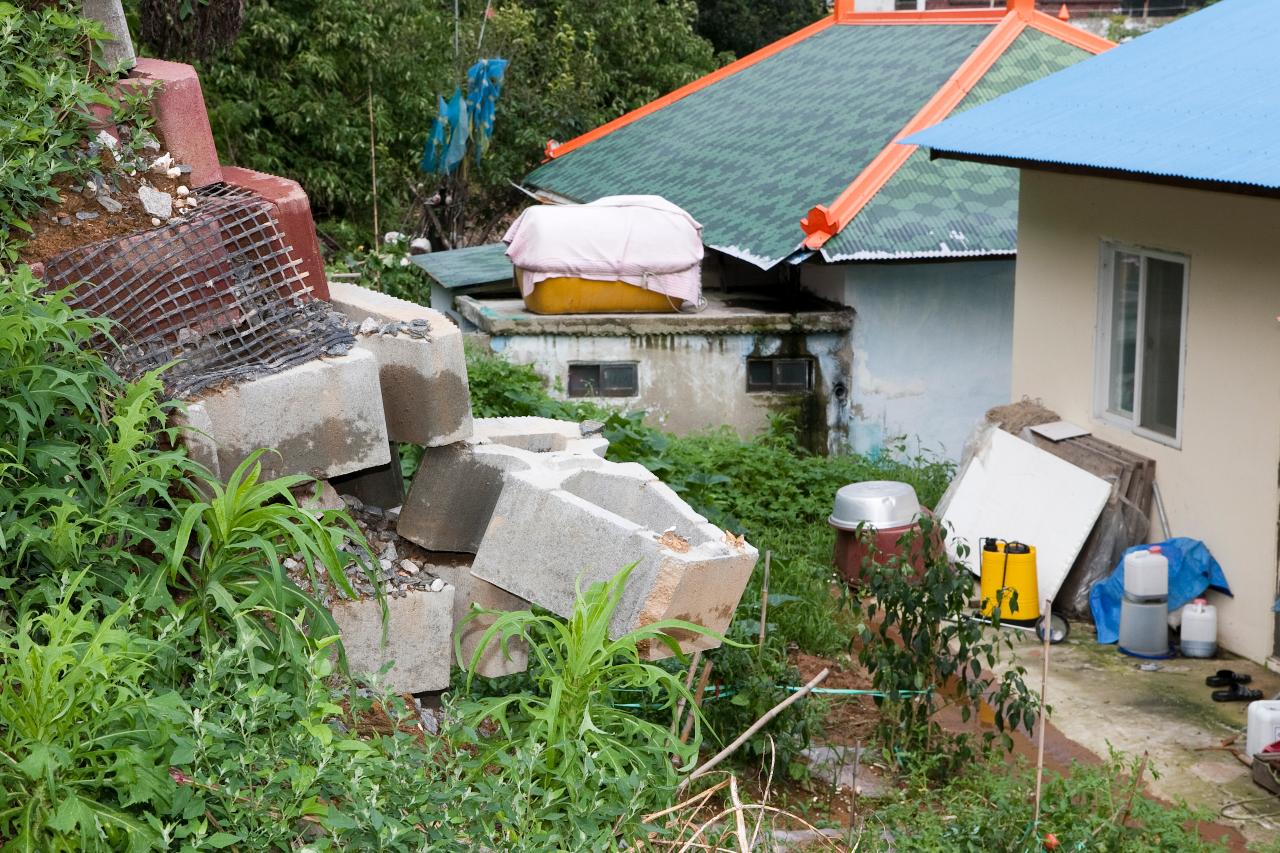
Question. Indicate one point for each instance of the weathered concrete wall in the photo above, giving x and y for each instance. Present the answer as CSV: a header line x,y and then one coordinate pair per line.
x,y
932,348
1221,485
698,381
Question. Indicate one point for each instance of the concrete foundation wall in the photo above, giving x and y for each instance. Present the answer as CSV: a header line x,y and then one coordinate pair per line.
x,y
698,381
932,348
1221,485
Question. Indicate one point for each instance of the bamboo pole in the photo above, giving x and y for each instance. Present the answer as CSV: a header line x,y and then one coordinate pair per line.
x,y
764,597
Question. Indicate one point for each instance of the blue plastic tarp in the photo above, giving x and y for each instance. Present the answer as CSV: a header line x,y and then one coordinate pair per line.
x,y
1192,570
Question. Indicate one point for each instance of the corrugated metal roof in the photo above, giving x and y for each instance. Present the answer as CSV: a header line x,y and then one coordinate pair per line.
x,y
1194,99
750,153
950,208
487,264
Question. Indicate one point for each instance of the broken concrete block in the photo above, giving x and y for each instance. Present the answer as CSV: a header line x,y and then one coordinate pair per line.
x,y
382,487
539,435
322,418
553,531
454,492
419,639
469,590
423,370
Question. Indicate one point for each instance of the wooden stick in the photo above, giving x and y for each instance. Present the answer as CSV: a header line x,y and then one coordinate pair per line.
x,y
688,685
697,702
738,822
764,597
695,800
755,727
1044,685
373,165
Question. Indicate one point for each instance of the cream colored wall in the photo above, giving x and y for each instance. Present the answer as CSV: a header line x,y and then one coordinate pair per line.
x,y
1221,486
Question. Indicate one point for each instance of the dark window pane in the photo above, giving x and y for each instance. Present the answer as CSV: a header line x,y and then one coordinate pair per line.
x,y
759,374
584,380
618,380
791,375
1161,347
1124,332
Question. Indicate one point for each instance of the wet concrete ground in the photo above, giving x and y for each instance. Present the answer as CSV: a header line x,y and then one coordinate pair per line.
x,y
1103,699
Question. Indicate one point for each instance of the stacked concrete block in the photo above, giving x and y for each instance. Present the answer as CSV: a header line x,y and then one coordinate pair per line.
x,y
555,531
422,369
177,103
293,217
470,591
419,639
322,418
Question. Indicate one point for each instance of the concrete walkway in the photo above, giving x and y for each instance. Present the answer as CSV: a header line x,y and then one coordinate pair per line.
x,y
1102,699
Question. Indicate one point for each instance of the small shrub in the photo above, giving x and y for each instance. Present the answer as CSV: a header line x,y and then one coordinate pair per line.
x,y
580,769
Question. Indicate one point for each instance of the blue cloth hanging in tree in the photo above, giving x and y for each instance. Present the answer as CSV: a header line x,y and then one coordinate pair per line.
x,y
465,119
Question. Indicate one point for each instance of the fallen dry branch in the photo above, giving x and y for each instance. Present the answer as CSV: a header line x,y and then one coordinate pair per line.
x,y
755,727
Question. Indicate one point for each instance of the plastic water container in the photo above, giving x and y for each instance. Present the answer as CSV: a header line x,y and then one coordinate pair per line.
x,y
1146,574
1199,629
1264,725
1144,628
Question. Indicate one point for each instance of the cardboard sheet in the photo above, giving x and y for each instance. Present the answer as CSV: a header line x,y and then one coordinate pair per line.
x,y
1059,430
1014,490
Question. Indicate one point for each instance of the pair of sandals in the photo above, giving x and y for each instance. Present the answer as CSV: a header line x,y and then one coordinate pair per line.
x,y
1234,684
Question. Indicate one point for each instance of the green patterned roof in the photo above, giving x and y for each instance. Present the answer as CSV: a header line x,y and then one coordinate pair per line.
x,y
473,265
750,154
947,208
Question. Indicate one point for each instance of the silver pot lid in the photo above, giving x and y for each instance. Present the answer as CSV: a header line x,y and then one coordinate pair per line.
x,y
878,503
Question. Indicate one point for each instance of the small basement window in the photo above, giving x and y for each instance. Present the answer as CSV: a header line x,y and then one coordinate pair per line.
x,y
1142,340
604,379
780,375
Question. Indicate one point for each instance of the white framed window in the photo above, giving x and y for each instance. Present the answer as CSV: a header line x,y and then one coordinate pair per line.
x,y
1142,340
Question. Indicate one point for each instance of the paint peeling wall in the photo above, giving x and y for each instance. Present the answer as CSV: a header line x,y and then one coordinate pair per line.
x,y
694,382
932,348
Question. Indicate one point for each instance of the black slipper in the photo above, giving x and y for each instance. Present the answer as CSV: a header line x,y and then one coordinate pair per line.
x,y
1226,678
1236,693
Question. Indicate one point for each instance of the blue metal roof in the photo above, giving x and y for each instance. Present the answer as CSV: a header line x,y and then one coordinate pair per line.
x,y
1194,99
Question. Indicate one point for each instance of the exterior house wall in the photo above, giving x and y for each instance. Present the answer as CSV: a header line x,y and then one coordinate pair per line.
x,y
932,348
1221,484
690,382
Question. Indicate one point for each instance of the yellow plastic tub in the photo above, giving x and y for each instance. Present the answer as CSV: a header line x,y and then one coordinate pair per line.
x,y
584,296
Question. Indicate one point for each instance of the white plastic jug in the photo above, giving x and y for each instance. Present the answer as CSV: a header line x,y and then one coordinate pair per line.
x,y
1200,629
1264,725
1146,574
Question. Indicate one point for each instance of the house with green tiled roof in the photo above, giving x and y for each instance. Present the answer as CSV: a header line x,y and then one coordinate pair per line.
x,y
790,159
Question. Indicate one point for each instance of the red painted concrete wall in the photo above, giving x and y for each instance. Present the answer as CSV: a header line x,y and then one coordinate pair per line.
x,y
293,215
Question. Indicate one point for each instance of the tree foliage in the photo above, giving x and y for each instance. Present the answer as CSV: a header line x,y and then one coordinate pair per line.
x,y
742,26
292,94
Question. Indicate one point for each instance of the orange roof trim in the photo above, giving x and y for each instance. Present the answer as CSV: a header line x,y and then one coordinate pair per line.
x,y
825,221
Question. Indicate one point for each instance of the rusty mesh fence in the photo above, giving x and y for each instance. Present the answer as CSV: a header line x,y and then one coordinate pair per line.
x,y
216,295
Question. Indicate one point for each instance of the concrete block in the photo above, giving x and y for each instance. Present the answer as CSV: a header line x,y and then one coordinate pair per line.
x,y
423,378
539,435
555,530
469,590
419,639
454,492
322,418
293,217
178,107
382,486
118,48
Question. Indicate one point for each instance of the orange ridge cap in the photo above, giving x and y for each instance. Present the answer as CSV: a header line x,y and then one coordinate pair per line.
x,y
937,16
824,222
554,150
1061,30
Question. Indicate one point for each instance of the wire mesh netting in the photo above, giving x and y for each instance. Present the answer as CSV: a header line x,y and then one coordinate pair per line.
x,y
215,295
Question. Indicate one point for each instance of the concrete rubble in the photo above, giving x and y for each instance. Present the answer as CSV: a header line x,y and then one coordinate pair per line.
x,y
502,514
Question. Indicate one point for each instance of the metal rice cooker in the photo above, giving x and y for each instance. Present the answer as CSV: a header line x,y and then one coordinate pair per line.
x,y
886,510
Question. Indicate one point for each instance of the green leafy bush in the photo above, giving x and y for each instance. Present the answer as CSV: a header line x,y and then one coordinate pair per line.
x,y
581,769
83,744
51,77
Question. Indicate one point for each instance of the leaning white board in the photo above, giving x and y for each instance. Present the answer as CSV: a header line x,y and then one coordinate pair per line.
x,y
1013,490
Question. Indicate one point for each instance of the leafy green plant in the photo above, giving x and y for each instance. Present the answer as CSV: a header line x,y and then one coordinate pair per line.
x,y
923,650
83,745
236,574
581,769
985,806
88,470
